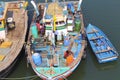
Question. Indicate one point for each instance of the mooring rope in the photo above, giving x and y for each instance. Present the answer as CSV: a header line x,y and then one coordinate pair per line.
x,y
21,78
28,77
64,77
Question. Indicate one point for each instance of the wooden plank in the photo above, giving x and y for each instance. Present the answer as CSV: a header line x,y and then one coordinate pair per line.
x,y
104,51
96,38
94,31
6,44
2,57
5,12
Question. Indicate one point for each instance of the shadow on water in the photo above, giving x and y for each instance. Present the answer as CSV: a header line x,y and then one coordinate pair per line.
x,y
95,71
21,69
79,72
30,16
102,66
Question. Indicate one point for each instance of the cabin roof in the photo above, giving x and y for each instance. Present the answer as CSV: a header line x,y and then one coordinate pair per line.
x,y
54,9
58,18
3,11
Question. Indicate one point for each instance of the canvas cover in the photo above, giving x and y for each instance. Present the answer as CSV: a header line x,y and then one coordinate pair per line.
x,y
54,9
2,34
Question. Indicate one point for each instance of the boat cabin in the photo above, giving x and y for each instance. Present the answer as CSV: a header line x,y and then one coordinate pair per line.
x,y
55,20
3,12
6,16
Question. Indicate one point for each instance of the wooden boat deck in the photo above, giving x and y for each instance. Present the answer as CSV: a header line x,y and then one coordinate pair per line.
x,y
16,36
96,38
66,2
94,31
104,51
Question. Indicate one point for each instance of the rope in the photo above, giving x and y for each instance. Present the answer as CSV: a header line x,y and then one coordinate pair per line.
x,y
64,77
34,78
21,78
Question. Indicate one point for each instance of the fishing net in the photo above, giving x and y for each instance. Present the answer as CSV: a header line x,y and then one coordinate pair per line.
x,y
54,9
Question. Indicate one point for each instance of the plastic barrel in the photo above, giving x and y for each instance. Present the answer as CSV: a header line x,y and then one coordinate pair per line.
x,y
66,41
77,25
37,59
71,7
34,31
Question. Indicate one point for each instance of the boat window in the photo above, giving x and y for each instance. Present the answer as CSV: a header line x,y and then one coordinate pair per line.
x,y
61,22
47,23
56,23
0,23
69,18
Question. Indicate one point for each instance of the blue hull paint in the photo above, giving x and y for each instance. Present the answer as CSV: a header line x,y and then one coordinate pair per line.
x,y
101,45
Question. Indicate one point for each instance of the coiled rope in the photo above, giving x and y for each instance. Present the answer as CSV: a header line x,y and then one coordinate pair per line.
x,y
21,78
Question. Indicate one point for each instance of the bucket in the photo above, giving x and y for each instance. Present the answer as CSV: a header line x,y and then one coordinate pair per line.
x,y
66,41
77,25
37,59
34,31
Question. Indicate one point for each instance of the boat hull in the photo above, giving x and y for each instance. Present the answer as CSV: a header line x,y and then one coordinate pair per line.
x,y
101,45
4,73
53,55
15,37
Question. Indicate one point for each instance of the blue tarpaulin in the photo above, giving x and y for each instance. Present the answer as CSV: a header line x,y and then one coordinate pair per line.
x,y
71,7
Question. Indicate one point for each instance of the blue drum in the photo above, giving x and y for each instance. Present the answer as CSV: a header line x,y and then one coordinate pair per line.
x,y
37,59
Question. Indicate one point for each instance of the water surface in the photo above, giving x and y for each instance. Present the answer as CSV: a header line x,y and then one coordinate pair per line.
x,y
106,15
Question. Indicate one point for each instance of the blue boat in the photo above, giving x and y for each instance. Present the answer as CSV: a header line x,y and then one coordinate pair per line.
x,y
101,45
56,41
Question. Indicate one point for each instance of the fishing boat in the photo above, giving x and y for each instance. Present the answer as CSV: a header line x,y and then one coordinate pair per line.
x,y
56,41
101,45
13,27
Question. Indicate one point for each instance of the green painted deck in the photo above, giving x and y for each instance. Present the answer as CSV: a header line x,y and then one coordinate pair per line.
x,y
52,71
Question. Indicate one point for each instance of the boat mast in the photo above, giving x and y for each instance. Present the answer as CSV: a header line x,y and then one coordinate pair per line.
x,y
54,26
53,41
35,7
79,5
